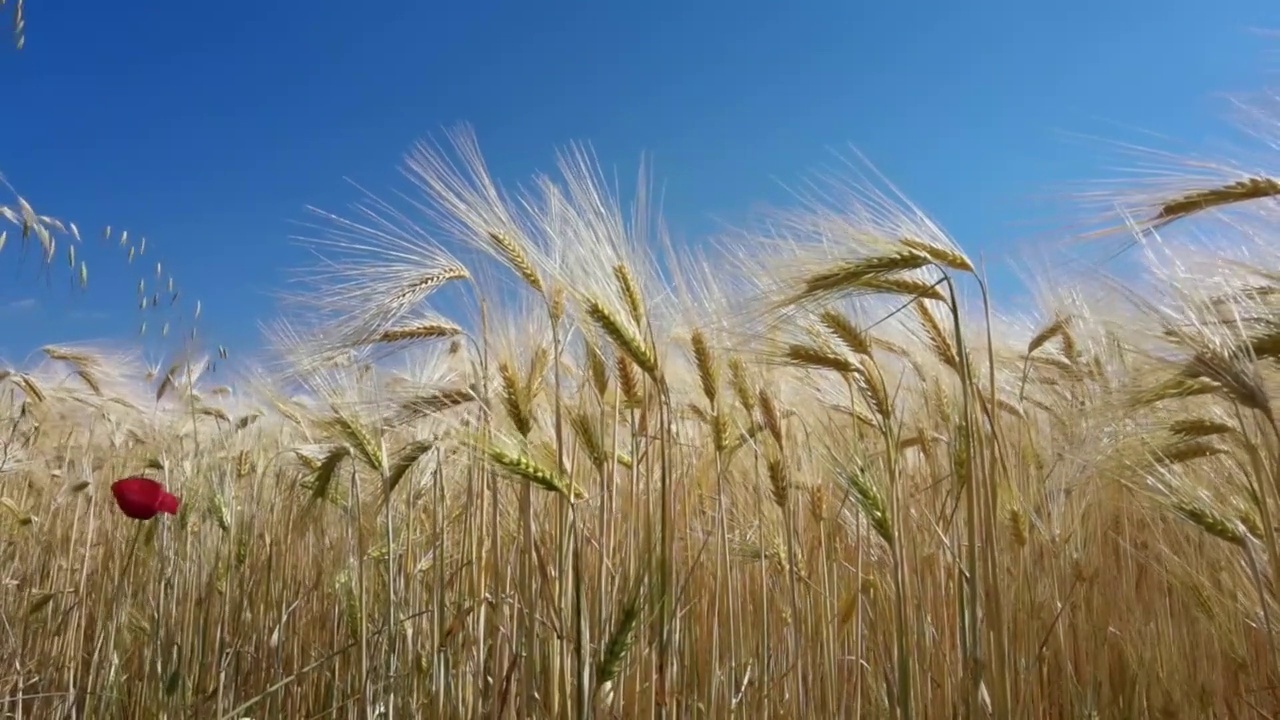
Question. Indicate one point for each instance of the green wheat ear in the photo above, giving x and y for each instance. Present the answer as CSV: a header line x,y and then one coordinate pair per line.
x,y
620,641
524,467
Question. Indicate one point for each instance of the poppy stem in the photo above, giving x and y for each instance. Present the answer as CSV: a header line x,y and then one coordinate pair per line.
x,y
115,595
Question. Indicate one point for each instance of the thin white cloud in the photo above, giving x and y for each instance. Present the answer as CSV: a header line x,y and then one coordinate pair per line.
x,y
23,305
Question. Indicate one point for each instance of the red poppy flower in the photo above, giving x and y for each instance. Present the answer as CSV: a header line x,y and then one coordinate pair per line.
x,y
141,498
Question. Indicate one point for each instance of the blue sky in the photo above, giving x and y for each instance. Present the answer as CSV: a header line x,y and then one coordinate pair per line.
x,y
208,128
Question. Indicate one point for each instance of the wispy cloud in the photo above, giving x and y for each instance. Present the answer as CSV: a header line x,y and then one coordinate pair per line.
x,y
19,306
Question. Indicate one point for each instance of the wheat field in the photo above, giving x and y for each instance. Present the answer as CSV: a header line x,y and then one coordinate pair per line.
x,y
516,456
